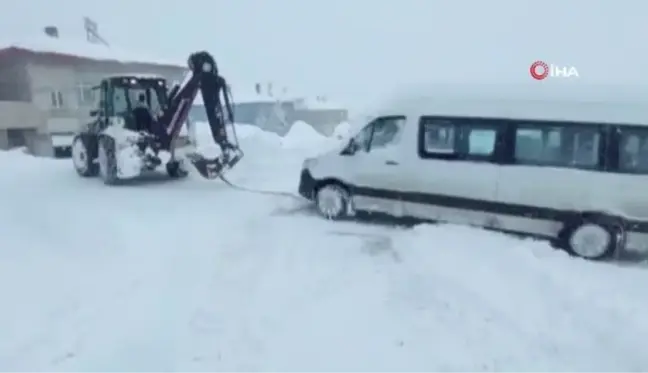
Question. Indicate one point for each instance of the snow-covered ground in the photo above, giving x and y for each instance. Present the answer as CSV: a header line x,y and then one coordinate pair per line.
x,y
192,275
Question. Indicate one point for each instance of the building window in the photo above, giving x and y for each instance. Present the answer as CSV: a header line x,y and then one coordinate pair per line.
x,y
57,99
86,95
16,138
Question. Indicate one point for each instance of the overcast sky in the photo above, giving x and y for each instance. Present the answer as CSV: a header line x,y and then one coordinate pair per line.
x,y
354,48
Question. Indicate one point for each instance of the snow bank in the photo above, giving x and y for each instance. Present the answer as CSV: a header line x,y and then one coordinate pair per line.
x,y
244,132
303,136
482,282
14,160
342,131
263,150
247,131
358,298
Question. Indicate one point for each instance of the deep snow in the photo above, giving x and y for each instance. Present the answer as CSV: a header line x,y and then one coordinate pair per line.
x,y
192,275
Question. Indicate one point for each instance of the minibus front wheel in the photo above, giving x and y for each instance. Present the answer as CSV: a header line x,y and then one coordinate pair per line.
x,y
333,200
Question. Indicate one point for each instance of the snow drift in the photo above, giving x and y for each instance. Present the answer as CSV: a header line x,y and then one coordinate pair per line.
x,y
342,131
302,140
195,276
303,136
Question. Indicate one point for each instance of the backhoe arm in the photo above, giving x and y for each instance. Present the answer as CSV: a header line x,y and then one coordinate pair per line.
x,y
203,76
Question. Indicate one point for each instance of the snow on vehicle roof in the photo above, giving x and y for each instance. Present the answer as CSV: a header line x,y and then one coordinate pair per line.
x,y
579,103
82,49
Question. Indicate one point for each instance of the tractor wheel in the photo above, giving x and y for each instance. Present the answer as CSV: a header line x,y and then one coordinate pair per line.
x,y
107,161
84,155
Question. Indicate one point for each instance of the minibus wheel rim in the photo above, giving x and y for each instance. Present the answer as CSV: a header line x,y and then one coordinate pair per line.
x,y
590,241
331,201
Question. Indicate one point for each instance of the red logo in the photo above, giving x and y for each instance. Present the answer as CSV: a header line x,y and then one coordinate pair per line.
x,y
539,70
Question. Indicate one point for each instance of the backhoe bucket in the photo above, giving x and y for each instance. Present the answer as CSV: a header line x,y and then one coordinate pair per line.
x,y
236,156
214,168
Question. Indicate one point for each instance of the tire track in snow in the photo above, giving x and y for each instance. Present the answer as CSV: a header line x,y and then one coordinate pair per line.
x,y
274,274
157,317
67,267
300,289
225,337
148,294
60,335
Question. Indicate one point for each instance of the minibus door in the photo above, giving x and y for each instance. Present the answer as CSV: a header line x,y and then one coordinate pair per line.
x,y
379,167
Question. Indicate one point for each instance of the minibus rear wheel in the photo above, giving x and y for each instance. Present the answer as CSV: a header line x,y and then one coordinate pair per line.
x,y
593,236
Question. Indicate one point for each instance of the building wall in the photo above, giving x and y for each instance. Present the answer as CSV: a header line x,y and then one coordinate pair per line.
x,y
19,118
53,93
45,95
4,140
62,95
63,92
17,114
265,115
14,80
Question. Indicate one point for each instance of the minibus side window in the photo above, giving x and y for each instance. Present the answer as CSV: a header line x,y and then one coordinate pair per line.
x,y
380,133
481,141
360,142
457,138
386,132
633,151
530,145
556,144
438,136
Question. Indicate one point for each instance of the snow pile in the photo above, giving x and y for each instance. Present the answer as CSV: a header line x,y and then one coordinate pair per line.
x,y
220,279
263,150
342,131
517,304
248,131
301,140
248,135
303,136
243,132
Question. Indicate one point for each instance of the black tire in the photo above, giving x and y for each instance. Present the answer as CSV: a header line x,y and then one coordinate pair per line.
x,y
603,236
332,200
176,170
107,161
84,155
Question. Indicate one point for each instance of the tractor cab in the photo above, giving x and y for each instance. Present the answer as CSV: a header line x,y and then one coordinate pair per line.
x,y
120,96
